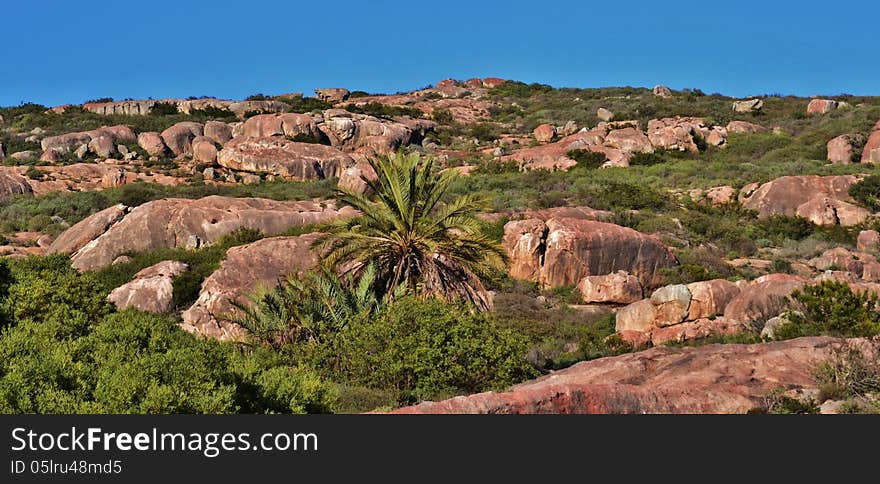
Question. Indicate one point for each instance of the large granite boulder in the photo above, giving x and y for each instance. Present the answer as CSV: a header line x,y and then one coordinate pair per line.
x,y
562,251
175,222
281,157
246,268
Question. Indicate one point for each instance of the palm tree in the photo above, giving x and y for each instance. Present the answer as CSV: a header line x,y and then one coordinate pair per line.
x,y
306,308
417,240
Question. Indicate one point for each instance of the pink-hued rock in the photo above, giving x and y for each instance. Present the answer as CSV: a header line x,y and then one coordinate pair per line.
x,y
821,106
151,289
694,330
809,196
840,149
262,126
332,95
829,211
50,156
638,316
710,298
871,151
562,251
745,127
490,82
178,138
218,131
861,264
630,140
174,222
67,143
246,268
284,158
584,213
619,287
868,240
152,143
671,303
352,178
675,133
721,195
524,242
87,230
544,133
764,298
244,108
13,183
204,150
719,378
662,91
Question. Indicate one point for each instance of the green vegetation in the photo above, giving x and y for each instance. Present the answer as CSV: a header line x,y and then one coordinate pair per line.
x,y
832,308
380,110
416,239
852,373
17,212
63,350
426,349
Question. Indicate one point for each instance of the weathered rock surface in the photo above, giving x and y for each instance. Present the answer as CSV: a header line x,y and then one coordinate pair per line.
x,y
332,95
716,378
763,299
630,140
349,132
288,159
868,240
218,131
748,106
152,143
13,183
671,304
151,289
821,106
562,251
871,151
662,91
178,138
619,287
823,200
174,222
101,141
87,230
247,267
544,133
842,148
745,127
242,108
204,150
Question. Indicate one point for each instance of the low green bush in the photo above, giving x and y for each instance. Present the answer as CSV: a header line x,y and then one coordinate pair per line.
x,y
426,349
832,308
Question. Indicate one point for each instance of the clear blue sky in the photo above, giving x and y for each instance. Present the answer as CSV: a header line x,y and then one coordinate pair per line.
x,y
59,52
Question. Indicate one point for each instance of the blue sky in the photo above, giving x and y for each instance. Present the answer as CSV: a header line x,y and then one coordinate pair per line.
x,y
59,52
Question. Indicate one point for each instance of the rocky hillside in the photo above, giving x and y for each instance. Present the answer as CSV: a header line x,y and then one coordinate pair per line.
x,y
628,220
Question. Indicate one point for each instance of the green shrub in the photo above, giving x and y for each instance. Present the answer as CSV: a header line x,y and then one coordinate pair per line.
x,y
34,174
867,192
426,349
647,159
164,109
832,308
587,159
615,195
380,110
63,350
